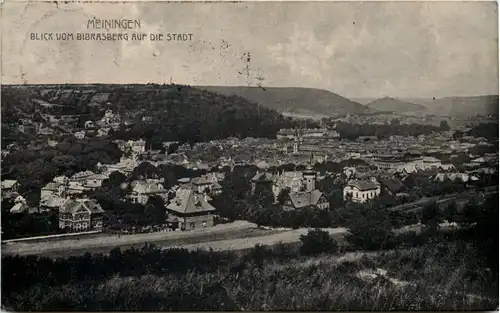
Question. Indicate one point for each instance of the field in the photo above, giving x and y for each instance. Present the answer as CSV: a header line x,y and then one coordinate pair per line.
x,y
435,276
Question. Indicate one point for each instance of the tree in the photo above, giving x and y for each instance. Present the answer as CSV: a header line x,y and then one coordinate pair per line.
x,y
395,122
114,181
430,216
283,195
317,241
443,125
263,196
450,212
370,230
155,210
258,255
144,170
485,232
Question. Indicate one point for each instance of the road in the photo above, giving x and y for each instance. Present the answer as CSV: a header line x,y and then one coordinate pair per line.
x,y
108,241
289,236
460,198
233,236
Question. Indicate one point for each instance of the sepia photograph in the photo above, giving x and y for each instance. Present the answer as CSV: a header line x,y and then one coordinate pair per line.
x,y
249,156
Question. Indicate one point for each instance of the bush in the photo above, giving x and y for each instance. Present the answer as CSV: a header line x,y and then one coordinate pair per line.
x,y
317,241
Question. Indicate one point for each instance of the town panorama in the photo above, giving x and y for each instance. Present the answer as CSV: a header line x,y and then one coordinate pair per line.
x,y
161,197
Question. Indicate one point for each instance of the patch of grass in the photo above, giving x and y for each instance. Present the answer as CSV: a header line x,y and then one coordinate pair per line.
x,y
325,282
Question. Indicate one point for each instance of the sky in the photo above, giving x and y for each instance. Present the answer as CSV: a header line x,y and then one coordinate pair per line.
x,y
355,49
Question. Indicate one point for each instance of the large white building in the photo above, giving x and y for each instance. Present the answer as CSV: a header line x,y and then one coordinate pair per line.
x,y
361,191
401,164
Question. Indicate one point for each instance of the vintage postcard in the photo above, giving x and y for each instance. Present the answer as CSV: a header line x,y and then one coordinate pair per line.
x,y
249,156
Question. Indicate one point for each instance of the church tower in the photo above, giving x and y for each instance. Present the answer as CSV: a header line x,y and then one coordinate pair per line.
x,y
296,146
309,179
297,141
310,176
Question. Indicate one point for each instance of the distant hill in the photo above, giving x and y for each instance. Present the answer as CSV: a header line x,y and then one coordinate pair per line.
x,y
462,106
294,100
363,101
388,104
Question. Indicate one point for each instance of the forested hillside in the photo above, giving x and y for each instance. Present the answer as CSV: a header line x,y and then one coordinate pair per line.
x,y
188,114
296,100
159,112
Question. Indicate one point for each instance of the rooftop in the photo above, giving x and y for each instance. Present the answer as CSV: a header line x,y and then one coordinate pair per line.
x,y
363,185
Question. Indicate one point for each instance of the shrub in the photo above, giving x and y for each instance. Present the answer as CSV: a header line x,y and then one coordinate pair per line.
x,y
317,241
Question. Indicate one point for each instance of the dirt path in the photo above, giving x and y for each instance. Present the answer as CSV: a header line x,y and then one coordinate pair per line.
x,y
111,241
230,237
289,236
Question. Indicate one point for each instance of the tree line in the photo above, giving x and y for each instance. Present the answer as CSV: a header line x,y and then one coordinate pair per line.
x,y
353,131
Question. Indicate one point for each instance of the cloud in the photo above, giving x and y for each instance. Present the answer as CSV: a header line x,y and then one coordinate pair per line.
x,y
304,54
357,49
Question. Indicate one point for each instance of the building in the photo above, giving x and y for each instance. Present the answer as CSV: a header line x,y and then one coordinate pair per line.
x,y
125,166
143,189
286,133
89,124
303,199
85,180
9,189
208,182
138,147
262,179
202,184
408,164
430,163
80,215
19,206
190,210
81,176
292,180
361,191
80,134
313,132
303,133
392,186
304,192
109,118
61,188
389,163
461,177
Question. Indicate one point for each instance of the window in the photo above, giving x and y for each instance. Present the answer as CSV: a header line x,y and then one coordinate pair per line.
x,y
204,224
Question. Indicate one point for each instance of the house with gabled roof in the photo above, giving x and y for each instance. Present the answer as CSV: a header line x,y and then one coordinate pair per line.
x,y
392,186
81,176
190,210
9,189
361,191
303,199
80,215
293,180
19,206
262,178
143,189
208,183
304,193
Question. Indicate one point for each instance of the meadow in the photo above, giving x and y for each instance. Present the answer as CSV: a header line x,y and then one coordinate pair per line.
x,y
434,276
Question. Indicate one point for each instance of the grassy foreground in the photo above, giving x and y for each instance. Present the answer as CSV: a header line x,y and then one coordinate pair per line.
x,y
435,276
